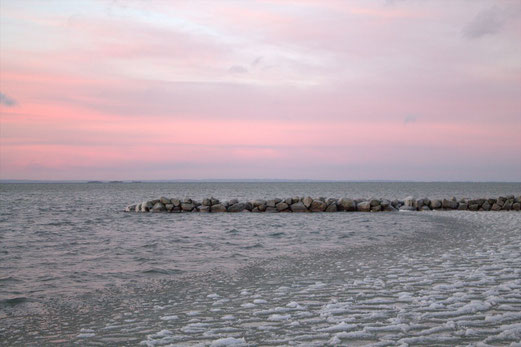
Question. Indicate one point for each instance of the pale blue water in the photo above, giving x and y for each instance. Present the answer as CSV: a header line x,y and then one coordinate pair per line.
x,y
70,259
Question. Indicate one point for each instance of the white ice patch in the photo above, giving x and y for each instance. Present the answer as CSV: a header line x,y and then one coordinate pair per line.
x,y
166,318
228,341
279,317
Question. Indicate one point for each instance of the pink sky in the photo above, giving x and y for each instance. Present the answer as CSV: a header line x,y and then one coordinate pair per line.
x,y
313,89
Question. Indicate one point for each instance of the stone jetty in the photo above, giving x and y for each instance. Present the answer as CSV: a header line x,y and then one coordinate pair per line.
x,y
309,204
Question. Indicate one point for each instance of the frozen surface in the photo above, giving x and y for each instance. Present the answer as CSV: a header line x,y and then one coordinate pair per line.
x,y
457,282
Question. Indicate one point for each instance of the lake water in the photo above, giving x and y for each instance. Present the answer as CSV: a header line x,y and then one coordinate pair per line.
x,y
74,268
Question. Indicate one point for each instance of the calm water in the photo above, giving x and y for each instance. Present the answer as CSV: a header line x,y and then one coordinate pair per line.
x,y
75,268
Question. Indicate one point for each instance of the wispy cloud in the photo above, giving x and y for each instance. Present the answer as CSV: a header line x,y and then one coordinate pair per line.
x,y
487,22
239,69
7,101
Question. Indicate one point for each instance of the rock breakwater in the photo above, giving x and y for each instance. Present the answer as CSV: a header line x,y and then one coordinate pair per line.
x,y
309,204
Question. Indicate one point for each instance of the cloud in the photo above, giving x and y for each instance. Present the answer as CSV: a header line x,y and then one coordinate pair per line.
x,y
487,22
6,100
238,69
256,61
411,118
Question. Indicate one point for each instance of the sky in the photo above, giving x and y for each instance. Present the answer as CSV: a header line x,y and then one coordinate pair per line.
x,y
308,89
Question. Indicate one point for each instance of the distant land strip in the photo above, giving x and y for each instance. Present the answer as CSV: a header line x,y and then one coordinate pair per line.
x,y
309,204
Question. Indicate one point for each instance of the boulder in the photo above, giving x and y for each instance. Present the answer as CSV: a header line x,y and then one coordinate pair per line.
x,y
146,206
390,208
259,202
298,207
207,202
214,201
164,200
218,208
427,202
187,207
282,206
271,203
473,207
374,202
295,199
436,204
204,209
450,204
169,207
348,204
307,201
271,209
516,206
376,208
332,207
318,206
158,207
130,208
396,203
384,203
507,206
233,202
187,201
364,206
261,208
462,206
425,207
486,206
288,201
409,203
175,202
138,208
495,207
237,207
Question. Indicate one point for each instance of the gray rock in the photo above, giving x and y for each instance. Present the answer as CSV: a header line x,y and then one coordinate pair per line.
x,y
271,209
331,201
261,208
462,206
376,208
425,207
318,206
288,201
233,201
271,203
390,208
130,208
486,206
164,200
298,207
259,202
218,208
384,203
332,207
138,208
427,202
158,207
146,206
495,207
516,206
435,204
282,206
396,203
409,202
295,199
204,209
187,201
450,204
507,206
169,207
473,207
364,206
277,200
187,207
256,210
207,202
307,201
348,204
237,207
214,201
175,202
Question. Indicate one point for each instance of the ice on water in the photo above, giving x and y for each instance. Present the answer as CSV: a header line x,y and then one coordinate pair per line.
x,y
454,288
